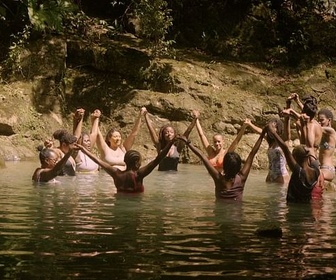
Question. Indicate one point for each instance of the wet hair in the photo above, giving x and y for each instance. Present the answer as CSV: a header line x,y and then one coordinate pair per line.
x,y
163,142
299,153
327,113
109,135
64,137
132,159
310,106
280,129
44,153
231,164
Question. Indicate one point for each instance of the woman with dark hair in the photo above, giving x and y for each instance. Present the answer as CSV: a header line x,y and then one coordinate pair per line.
x,y
230,183
66,141
166,134
310,130
327,145
112,149
306,182
277,169
129,180
50,165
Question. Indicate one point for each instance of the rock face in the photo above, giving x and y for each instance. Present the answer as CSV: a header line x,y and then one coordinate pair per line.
x,y
119,77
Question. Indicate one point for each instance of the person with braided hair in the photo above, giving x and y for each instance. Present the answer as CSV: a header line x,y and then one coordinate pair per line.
x,y
129,180
230,183
306,182
51,165
166,133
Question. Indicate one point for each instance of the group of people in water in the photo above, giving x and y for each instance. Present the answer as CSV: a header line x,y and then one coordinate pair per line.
x,y
310,161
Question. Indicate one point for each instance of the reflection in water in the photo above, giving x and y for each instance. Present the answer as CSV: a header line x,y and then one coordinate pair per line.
x,y
82,229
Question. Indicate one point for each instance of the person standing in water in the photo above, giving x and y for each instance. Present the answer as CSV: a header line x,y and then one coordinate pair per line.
x,y
83,162
277,169
310,131
51,166
230,183
166,134
327,145
112,149
216,151
66,141
306,181
129,180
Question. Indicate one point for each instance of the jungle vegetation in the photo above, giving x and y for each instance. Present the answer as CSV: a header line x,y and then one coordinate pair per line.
x,y
279,32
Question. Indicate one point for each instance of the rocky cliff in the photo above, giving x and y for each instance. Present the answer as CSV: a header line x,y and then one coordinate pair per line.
x,y
57,75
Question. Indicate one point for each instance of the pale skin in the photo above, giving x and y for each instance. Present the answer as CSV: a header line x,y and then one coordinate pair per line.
x,y
326,154
78,125
88,141
280,179
116,150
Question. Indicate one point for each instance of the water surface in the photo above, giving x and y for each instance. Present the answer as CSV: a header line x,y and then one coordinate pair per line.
x,y
81,229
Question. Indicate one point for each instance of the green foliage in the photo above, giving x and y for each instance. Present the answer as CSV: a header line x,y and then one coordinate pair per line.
x,y
48,15
155,21
157,77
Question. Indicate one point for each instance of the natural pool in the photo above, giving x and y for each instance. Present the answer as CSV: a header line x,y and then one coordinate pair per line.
x,y
80,229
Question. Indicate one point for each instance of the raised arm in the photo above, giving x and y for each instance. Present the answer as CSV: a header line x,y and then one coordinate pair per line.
x,y
94,126
78,123
204,139
101,144
47,175
248,163
239,136
180,144
144,171
154,136
255,128
214,173
289,157
129,141
106,166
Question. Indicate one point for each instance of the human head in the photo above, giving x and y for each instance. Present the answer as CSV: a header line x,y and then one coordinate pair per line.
x,y
325,117
231,164
218,141
309,106
85,140
65,139
300,152
166,134
48,157
278,126
113,138
132,159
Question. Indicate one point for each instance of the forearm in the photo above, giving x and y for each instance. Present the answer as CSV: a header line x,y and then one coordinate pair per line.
x,y
151,130
77,127
129,141
94,131
255,128
204,140
236,141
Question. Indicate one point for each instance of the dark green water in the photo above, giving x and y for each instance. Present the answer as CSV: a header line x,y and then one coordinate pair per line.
x,y
80,229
